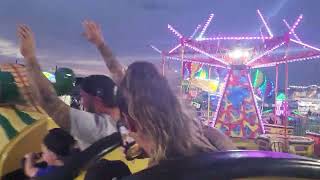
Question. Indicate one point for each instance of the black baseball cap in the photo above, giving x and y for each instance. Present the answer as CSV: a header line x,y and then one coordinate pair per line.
x,y
101,86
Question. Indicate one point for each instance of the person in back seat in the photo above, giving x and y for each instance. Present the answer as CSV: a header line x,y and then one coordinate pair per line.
x,y
57,146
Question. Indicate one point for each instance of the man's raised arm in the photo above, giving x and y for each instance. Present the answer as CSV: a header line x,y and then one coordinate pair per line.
x,y
93,33
43,89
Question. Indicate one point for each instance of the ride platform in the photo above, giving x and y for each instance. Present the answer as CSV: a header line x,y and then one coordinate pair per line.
x,y
296,144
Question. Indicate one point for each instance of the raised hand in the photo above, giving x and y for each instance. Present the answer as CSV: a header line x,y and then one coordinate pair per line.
x,y
94,35
26,40
92,32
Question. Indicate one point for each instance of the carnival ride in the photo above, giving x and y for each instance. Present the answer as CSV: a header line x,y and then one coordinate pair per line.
x,y
205,92
237,113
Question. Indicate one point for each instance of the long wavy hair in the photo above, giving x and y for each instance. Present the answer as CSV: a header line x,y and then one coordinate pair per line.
x,y
159,115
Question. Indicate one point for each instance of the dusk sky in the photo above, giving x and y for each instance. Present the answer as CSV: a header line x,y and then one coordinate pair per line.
x,y
130,26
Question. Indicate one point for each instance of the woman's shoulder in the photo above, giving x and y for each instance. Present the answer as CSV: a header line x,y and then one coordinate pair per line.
x,y
218,139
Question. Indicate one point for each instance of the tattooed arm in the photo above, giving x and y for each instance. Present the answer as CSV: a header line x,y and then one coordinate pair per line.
x,y
43,90
94,35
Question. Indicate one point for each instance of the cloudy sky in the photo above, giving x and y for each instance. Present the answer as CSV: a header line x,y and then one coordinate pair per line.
x,y
131,25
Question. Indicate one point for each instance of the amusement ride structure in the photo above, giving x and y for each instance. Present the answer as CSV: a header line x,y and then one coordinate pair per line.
x,y
237,113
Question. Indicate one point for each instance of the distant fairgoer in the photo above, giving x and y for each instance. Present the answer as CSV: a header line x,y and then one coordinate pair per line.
x,y
270,121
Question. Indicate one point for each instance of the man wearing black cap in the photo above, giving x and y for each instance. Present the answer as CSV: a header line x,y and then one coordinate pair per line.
x,y
98,94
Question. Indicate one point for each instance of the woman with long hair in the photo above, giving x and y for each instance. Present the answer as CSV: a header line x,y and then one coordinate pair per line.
x,y
156,118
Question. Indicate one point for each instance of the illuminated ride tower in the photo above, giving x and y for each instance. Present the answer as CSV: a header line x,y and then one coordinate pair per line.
x,y
237,114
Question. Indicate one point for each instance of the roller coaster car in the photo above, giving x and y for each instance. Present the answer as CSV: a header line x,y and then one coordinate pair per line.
x,y
259,165
234,165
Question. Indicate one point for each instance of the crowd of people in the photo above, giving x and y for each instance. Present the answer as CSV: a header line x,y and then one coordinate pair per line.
x,y
137,95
